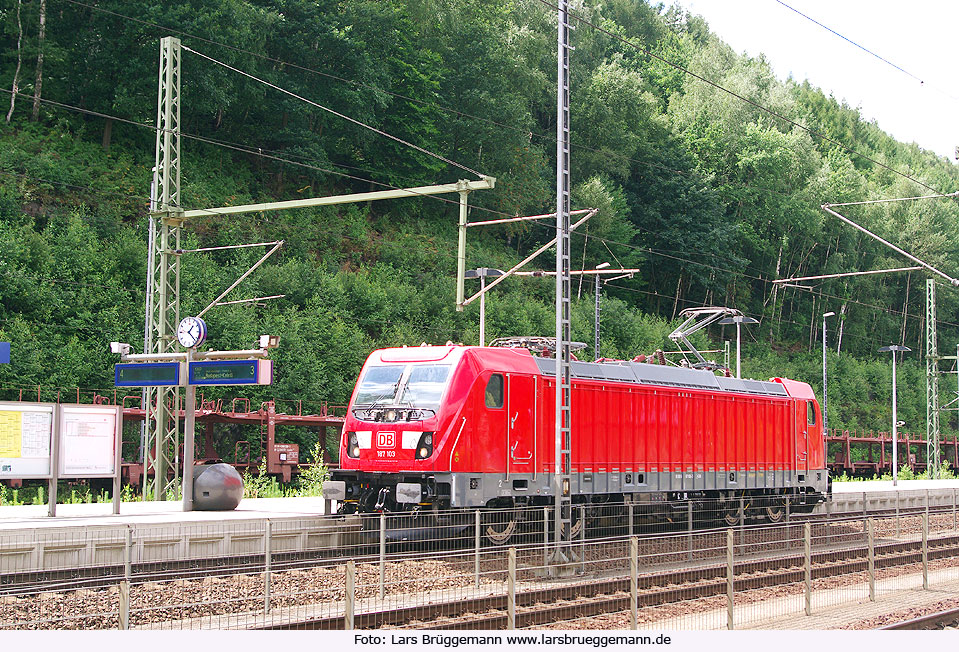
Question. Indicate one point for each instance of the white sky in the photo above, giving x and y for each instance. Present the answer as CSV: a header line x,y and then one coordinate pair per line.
x,y
918,36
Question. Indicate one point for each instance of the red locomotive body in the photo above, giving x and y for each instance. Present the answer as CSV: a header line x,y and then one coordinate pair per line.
x,y
468,427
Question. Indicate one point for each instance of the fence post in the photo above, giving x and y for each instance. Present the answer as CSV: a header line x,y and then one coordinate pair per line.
x,y
870,526
382,555
897,514
865,512
125,584
633,583
925,550
954,509
689,527
545,536
729,579
267,564
631,531
511,590
350,597
742,521
787,508
582,540
807,565
476,548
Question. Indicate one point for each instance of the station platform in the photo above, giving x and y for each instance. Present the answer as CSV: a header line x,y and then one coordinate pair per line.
x,y
873,486
86,537
156,512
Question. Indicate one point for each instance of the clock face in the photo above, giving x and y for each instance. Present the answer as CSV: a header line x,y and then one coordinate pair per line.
x,y
191,332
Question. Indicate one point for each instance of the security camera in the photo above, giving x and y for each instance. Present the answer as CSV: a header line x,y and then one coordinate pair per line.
x,y
120,348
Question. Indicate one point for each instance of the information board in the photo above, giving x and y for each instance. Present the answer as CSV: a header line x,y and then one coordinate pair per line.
x,y
147,374
231,372
88,441
26,434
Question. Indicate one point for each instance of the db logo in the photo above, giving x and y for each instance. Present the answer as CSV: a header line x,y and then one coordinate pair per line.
x,y
385,440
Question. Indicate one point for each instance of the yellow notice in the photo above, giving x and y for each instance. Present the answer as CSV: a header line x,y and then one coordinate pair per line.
x,y
11,433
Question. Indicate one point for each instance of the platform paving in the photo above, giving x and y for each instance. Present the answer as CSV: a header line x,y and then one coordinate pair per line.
x,y
152,513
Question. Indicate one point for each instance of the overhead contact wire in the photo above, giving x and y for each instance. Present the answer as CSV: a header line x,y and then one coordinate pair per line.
x,y
337,113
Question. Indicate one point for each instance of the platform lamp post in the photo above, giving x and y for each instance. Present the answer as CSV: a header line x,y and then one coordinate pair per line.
x,y
893,348
739,320
481,273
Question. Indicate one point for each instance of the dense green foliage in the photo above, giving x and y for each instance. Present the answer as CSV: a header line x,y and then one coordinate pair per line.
x,y
709,196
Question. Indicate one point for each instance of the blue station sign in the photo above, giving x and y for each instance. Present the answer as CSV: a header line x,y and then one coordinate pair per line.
x,y
231,372
147,374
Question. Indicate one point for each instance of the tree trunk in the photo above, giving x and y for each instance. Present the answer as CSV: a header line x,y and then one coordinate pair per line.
x,y
39,80
16,73
842,322
905,309
107,134
679,283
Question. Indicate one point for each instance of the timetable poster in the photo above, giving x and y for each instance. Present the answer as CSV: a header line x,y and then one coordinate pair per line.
x,y
26,432
87,441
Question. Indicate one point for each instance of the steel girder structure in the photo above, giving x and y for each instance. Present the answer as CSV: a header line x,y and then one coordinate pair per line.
x,y
562,461
932,382
162,438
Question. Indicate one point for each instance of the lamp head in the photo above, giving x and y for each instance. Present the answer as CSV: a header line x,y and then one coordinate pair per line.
x,y
894,348
269,341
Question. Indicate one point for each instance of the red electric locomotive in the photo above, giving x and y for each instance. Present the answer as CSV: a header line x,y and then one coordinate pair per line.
x,y
446,427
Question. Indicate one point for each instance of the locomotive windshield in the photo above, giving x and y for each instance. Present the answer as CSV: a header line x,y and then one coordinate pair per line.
x,y
379,385
410,391
424,386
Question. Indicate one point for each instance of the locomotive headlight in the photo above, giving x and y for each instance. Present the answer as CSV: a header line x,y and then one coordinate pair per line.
x,y
424,448
352,446
391,415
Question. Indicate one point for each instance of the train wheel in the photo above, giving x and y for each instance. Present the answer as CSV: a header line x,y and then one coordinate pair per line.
x,y
731,516
499,526
775,511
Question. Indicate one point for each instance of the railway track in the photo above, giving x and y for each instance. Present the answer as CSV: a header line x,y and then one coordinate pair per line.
x,y
602,596
948,619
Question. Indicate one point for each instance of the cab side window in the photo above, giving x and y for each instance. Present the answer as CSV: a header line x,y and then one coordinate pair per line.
x,y
810,413
494,391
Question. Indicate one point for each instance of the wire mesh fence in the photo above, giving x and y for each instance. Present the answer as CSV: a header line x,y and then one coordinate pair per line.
x,y
684,564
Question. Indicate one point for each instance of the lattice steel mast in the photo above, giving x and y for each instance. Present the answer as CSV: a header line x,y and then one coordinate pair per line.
x,y
932,382
561,473
162,427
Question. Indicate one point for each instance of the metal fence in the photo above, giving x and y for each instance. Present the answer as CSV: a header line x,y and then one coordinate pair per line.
x,y
672,565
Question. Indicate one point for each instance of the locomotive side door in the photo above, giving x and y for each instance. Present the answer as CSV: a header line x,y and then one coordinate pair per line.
x,y
802,436
520,423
